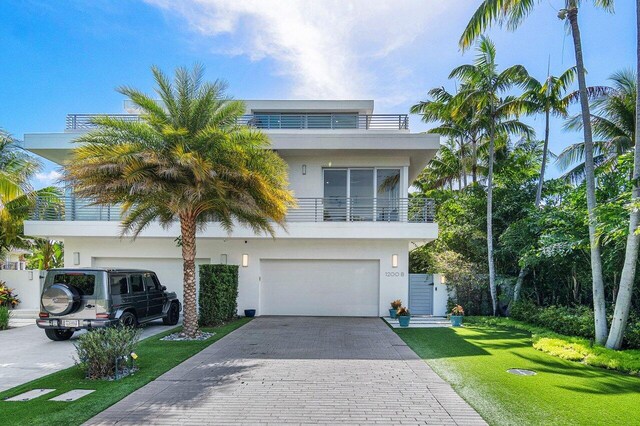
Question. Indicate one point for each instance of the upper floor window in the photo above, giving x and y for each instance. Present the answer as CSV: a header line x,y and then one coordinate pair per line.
x,y
276,120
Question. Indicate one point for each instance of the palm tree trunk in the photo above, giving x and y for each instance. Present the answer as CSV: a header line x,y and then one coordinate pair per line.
x,y
464,170
474,165
188,233
492,272
599,307
518,287
543,166
623,299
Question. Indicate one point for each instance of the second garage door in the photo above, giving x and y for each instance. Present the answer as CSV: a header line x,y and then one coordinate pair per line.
x,y
320,287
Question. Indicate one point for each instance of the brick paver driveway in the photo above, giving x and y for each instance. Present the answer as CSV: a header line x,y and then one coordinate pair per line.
x,y
310,370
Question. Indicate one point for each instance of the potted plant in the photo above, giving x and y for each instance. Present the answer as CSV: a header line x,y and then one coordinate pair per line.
x,y
395,305
249,313
404,316
456,316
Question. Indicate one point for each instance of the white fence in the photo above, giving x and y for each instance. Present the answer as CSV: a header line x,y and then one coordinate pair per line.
x,y
26,285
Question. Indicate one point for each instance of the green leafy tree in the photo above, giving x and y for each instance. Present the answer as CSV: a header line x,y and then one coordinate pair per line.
x,y
186,161
47,254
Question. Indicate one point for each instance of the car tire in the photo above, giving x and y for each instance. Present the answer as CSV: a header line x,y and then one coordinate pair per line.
x,y
128,319
173,315
58,334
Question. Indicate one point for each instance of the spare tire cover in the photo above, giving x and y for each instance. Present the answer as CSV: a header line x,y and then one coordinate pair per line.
x,y
60,299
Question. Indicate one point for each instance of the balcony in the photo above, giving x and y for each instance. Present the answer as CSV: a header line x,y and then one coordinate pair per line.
x,y
335,209
271,121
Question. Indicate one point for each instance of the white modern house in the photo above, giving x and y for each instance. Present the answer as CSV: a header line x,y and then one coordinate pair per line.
x,y
345,249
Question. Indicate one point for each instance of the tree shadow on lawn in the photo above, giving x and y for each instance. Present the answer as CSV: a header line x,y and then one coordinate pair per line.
x,y
601,381
434,343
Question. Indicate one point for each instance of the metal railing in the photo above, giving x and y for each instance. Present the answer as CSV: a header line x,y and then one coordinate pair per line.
x,y
335,121
333,209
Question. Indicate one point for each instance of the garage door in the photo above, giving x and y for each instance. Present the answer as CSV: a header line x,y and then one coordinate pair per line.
x,y
169,271
320,287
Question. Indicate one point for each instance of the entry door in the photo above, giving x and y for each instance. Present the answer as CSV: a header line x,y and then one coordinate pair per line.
x,y
421,294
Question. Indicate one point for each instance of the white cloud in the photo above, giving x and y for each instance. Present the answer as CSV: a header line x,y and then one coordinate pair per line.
x,y
48,178
333,49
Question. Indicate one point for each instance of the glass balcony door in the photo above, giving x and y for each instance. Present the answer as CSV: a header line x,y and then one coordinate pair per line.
x,y
361,195
335,195
388,195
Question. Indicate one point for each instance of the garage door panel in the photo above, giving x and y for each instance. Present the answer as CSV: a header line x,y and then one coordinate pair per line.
x,y
320,287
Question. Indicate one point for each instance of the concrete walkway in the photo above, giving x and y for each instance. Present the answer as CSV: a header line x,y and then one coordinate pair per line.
x,y
295,370
27,354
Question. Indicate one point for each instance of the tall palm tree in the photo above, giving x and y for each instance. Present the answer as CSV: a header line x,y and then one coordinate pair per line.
x,y
187,161
484,86
548,98
512,13
627,278
442,170
613,122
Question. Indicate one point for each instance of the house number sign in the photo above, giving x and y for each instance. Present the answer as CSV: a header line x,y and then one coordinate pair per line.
x,y
394,274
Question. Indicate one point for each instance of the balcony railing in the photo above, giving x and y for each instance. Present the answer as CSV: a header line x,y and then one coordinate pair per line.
x,y
334,209
278,121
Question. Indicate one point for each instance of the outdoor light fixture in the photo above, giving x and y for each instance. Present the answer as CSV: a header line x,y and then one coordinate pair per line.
x,y
304,169
223,259
245,260
76,258
394,260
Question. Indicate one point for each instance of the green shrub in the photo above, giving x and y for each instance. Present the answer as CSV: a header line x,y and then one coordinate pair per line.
x,y
97,350
218,301
4,317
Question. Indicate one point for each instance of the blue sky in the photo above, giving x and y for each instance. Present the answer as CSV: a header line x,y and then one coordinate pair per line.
x,y
68,57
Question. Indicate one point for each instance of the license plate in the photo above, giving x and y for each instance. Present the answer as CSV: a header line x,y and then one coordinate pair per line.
x,y
70,323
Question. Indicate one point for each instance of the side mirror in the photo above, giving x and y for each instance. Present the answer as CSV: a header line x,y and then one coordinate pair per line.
x,y
164,288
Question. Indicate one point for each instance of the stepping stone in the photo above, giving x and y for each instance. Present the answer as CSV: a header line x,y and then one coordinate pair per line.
x,y
72,395
32,394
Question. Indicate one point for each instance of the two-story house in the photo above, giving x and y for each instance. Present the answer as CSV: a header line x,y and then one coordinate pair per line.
x,y
345,249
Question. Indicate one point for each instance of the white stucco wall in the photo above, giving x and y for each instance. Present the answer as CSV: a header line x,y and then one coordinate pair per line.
x,y
26,285
393,281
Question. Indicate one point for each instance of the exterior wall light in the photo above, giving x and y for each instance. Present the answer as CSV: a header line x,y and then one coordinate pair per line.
x,y
394,260
223,259
76,258
245,260
304,169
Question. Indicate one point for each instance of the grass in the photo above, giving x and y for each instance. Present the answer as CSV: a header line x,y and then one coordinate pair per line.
x,y
474,359
570,348
155,358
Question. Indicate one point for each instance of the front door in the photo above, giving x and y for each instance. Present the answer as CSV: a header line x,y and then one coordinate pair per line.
x,y
421,294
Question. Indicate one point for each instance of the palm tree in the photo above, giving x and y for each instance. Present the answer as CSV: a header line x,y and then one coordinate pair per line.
x,y
442,170
512,13
548,98
613,124
483,87
627,278
186,161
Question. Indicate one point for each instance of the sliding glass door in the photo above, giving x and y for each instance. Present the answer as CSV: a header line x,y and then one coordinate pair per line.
x,y
361,194
335,195
388,195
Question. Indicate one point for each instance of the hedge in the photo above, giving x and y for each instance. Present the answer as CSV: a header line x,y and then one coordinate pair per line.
x,y
218,300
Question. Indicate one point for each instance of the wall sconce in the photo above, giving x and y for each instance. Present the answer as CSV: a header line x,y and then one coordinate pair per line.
x,y
394,260
304,169
245,260
30,275
442,279
76,258
223,259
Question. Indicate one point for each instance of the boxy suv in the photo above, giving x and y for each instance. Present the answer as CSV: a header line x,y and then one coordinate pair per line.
x,y
74,299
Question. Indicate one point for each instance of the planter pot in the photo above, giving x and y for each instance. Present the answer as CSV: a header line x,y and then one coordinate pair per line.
x,y
392,313
404,320
456,320
250,313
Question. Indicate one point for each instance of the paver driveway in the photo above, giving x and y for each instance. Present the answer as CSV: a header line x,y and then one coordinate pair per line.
x,y
278,370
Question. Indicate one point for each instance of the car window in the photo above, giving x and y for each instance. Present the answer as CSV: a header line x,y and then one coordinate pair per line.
x,y
118,284
136,283
84,283
150,282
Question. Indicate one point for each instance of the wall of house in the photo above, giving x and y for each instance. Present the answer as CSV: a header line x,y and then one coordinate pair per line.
x,y
26,284
393,281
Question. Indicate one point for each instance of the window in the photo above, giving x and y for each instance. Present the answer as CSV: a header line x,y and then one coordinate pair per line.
x,y
150,282
118,284
388,193
137,285
335,194
84,283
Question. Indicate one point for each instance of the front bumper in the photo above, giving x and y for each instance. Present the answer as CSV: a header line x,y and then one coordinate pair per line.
x,y
76,324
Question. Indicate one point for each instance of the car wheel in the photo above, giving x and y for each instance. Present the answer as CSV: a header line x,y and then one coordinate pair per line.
x,y
58,334
173,315
128,319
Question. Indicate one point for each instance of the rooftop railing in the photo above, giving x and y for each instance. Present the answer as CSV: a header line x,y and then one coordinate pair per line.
x,y
336,121
333,209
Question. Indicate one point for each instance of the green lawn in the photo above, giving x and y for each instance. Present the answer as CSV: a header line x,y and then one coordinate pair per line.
x,y
474,360
155,358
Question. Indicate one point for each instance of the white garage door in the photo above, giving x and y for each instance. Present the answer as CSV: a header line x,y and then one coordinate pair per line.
x,y
169,271
319,287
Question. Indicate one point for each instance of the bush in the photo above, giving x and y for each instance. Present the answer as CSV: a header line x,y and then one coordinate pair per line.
x,y
218,300
97,350
4,317
7,297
